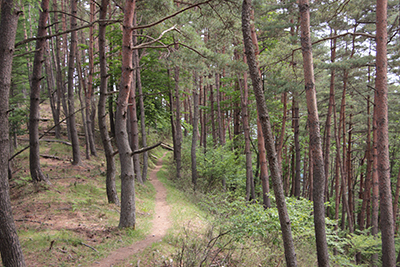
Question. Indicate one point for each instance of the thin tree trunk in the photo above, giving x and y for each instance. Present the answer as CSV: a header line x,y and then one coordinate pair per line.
x,y
142,115
283,129
10,248
64,63
244,92
76,157
315,138
290,254
367,183
82,87
89,91
53,92
343,180
59,75
212,117
128,212
178,129
296,118
375,182
385,192
221,130
328,122
195,130
171,111
111,189
34,158
349,172
204,126
132,112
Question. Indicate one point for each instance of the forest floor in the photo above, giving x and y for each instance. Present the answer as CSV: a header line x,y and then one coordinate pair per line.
x,y
161,223
70,222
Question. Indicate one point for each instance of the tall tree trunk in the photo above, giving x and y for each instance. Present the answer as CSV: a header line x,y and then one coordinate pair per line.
x,y
343,180
59,75
52,91
244,92
81,88
178,129
10,248
212,117
128,212
64,63
396,200
221,130
290,254
367,184
171,112
382,132
375,181
195,130
296,118
204,126
34,117
111,189
89,91
142,115
132,113
349,172
76,157
315,138
283,129
328,122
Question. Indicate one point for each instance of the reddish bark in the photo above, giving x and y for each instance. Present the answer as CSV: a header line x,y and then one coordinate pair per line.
x,y
382,132
315,138
290,254
128,212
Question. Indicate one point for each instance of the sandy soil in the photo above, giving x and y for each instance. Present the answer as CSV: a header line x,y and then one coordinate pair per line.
x,y
160,222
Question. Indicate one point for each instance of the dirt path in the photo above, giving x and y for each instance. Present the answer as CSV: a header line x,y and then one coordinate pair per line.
x,y
160,222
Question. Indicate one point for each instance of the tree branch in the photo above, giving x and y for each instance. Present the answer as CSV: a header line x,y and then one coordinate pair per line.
x,y
110,22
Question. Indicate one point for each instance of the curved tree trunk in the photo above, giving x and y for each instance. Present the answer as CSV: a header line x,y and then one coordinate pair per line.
x,y
34,158
71,67
290,254
128,212
10,248
105,138
315,137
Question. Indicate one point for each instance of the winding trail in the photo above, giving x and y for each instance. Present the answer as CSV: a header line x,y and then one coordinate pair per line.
x,y
160,222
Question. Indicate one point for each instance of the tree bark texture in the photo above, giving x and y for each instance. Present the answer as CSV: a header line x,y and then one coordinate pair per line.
x,y
385,192
89,91
111,189
315,137
76,157
128,213
290,254
244,92
178,129
132,115
142,116
34,158
328,122
10,248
